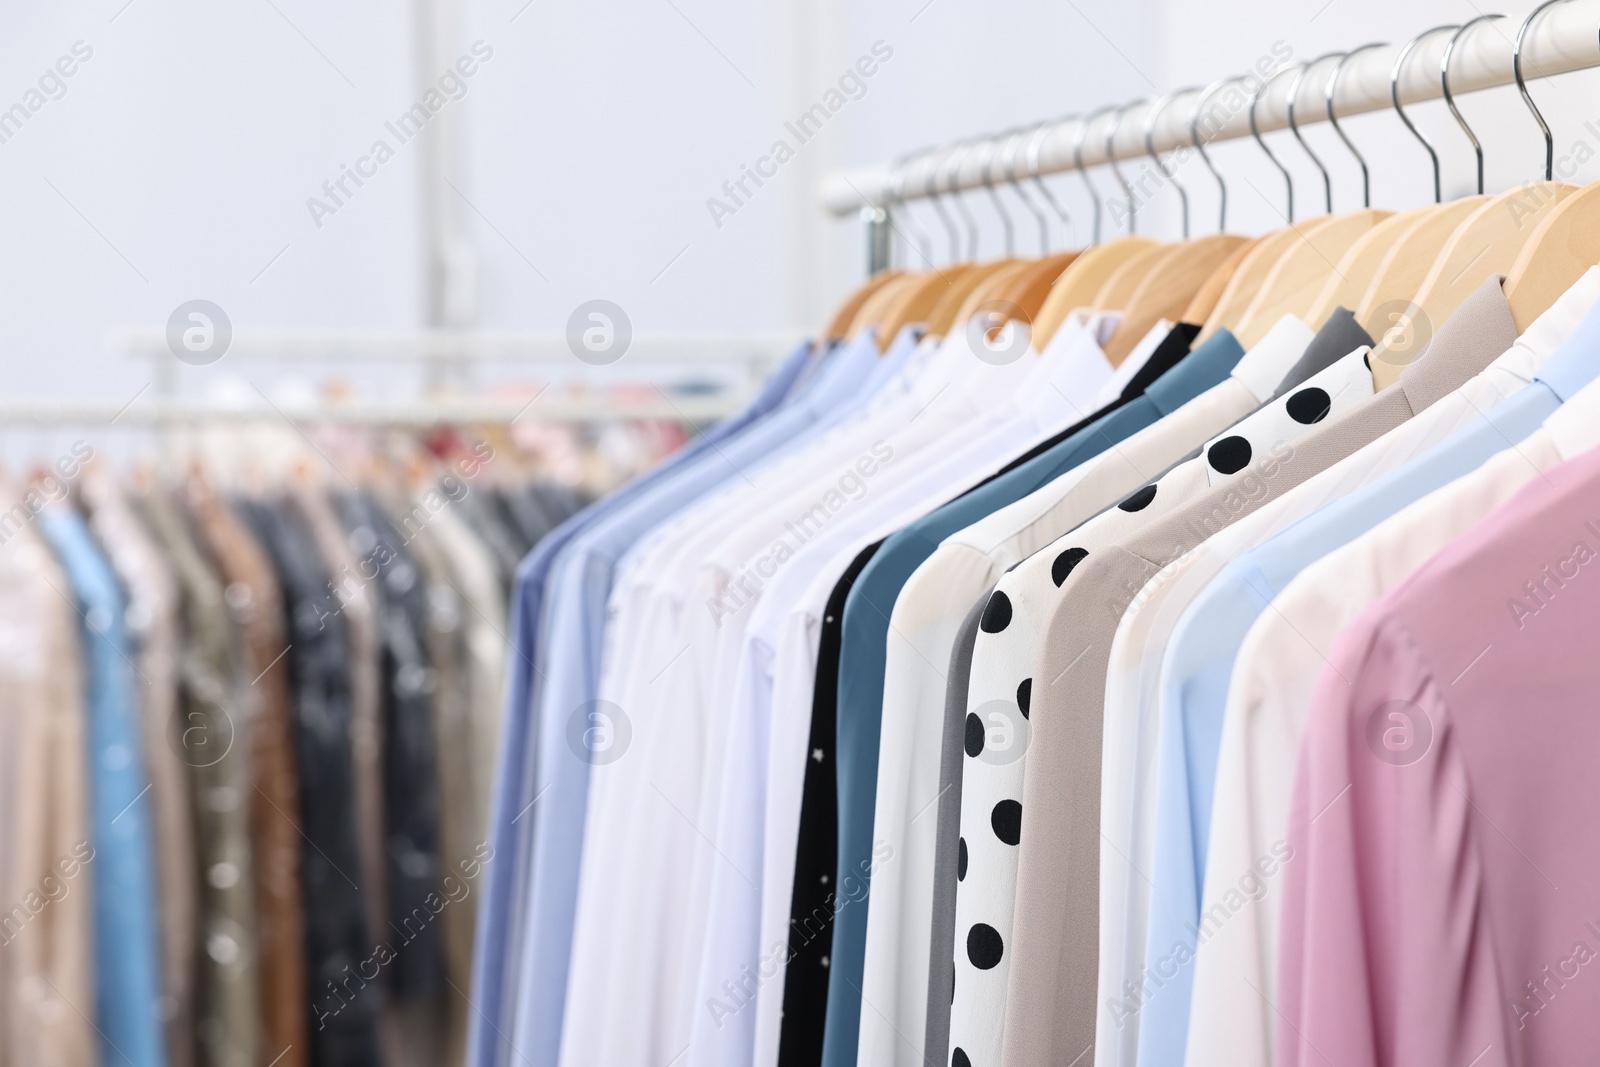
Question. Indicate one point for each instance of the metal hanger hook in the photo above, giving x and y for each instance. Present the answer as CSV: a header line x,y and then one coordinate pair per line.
x,y
1522,87
985,175
1450,101
1150,147
1111,161
1194,138
930,189
1016,138
1255,131
1394,97
959,153
897,199
1329,93
1077,161
1294,127
1035,144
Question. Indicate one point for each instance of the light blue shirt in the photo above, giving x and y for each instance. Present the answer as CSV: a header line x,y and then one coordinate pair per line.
x,y
505,881
126,973
567,651
1199,662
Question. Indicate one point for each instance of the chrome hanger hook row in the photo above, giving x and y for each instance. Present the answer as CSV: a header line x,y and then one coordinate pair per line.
x,y
1329,93
899,172
1449,100
1015,137
1522,87
989,147
1294,127
961,151
1035,145
1255,131
1077,161
930,190
1111,160
1150,148
1394,97
1194,138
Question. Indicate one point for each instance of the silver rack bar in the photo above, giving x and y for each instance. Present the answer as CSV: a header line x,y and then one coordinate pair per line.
x,y
1565,38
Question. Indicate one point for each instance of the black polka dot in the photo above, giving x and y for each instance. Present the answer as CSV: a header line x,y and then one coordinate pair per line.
x,y
961,862
984,946
974,741
1006,818
1229,455
996,614
953,983
1064,564
1139,500
959,1058
1366,359
1309,405
1025,695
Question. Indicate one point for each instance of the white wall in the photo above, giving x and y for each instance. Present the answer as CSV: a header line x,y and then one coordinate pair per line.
x,y
179,161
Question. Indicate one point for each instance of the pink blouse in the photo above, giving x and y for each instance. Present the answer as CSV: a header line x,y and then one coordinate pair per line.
x,y
1443,899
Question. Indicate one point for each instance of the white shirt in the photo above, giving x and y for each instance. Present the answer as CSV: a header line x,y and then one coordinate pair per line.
x,y
648,855
1002,663
1278,662
776,673
922,628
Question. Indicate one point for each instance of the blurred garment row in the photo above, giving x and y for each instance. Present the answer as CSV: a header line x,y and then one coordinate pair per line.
x,y
248,742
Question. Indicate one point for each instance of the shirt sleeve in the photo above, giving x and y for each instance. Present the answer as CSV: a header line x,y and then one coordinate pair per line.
x,y
1385,955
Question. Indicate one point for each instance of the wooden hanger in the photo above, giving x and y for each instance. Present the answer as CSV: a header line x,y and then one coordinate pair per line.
x,y
944,314
1486,243
915,303
1206,297
1115,292
1407,262
875,306
1250,275
1028,290
1559,251
1299,274
1078,284
839,325
1167,288
990,289
1356,270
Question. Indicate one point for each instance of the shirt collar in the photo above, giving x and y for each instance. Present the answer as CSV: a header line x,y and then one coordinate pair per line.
x,y
1465,343
1272,357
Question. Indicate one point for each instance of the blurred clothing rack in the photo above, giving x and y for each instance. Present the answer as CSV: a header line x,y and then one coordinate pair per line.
x,y
740,360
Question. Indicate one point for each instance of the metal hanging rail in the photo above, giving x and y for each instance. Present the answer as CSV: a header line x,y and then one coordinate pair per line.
x,y
1566,37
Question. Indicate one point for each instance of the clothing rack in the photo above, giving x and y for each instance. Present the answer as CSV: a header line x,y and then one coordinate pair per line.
x,y
1563,38
742,360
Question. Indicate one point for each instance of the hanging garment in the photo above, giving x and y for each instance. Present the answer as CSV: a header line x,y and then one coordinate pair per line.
x,y
570,669
890,468
1194,662
499,919
343,995
127,955
351,582
48,964
1003,678
1437,893
262,709
1050,1003
153,635
1161,385
920,614
1274,676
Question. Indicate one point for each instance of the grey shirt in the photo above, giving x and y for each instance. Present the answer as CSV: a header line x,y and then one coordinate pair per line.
x,y
949,864
1050,1012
